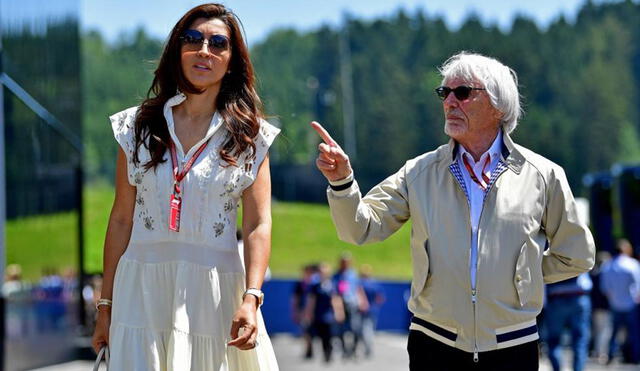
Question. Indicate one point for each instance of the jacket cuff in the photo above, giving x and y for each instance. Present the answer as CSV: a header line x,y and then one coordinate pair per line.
x,y
343,186
343,183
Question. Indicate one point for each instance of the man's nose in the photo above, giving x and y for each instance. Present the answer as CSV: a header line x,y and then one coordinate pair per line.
x,y
450,101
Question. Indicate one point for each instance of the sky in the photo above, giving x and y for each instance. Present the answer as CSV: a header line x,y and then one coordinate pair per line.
x,y
259,17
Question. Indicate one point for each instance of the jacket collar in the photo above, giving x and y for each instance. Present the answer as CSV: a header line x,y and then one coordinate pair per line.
x,y
511,156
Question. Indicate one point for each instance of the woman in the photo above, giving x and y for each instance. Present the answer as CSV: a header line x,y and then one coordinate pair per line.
x,y
181,298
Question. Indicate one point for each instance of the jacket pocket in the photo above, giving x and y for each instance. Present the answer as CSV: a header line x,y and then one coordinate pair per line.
x,y
522,277
420,268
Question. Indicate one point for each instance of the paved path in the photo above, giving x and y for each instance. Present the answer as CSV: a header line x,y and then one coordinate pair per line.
x,y
390,356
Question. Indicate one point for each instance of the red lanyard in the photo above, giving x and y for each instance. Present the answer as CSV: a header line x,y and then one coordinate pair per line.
x,y
175,202
484,183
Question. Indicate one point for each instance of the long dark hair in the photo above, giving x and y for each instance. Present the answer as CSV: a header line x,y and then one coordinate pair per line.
x,y
237,102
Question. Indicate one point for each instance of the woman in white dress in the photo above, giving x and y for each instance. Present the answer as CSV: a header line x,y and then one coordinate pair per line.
x,y
176,295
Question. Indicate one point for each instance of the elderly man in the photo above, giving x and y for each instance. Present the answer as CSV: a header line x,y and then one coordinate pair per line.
x,y
492,222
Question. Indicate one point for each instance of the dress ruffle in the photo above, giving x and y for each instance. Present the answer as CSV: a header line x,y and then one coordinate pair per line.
x,y
194,301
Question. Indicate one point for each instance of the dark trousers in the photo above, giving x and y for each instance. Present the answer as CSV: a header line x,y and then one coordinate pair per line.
x,y
427,354
324,331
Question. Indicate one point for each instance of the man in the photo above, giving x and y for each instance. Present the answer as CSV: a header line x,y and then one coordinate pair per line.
x,y
483,209
369,310
324,310
346,282
569,306
620,282
299,303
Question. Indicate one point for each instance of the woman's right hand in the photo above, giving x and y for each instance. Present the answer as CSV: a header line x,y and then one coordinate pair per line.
x,y
332,161
101,333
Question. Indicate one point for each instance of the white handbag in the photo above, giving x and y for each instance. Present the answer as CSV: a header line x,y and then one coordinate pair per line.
x,y
103,353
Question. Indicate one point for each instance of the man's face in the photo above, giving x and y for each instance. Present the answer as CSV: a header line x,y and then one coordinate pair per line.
x,y
472,118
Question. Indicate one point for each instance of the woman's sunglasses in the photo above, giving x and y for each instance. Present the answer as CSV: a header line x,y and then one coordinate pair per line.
x,y
193,39
461,92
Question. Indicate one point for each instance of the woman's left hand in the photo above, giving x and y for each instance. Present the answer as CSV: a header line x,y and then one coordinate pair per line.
x,y
244,326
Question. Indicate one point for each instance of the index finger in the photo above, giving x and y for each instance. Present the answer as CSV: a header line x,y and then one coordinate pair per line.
x,y
323,133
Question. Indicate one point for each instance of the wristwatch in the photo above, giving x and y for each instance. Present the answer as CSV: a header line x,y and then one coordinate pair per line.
x,y
257,293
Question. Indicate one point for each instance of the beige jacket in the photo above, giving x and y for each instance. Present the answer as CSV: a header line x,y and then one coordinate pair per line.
x,y
527,206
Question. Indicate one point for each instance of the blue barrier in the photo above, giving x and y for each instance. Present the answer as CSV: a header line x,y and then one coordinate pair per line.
x,y
394,315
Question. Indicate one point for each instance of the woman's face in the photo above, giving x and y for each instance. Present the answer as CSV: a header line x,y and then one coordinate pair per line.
x,y
205,53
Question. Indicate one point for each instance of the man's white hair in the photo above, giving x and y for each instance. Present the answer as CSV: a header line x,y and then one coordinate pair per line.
x,y
500,81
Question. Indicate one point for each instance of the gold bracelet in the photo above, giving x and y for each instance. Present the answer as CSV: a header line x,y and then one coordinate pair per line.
x,y
103,302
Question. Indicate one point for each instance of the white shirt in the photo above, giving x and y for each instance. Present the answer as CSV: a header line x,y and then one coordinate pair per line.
x,y
476,194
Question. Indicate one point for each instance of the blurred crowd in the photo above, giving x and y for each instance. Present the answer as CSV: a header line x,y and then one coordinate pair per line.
x,y
596,313
339,308
42,306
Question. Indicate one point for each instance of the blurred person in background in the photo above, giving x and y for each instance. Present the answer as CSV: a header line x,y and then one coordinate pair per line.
x,y
299,298
13,284
600,318
50,301
346,281
17,294
568,306
620,283
370,307
483,209
324,311
91,293
175,294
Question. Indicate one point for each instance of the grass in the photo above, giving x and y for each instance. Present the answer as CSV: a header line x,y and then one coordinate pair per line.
x,y
43,243
302,233
98,200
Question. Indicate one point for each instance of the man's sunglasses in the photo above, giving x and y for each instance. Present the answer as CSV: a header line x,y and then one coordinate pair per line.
x,y
461,92
193,39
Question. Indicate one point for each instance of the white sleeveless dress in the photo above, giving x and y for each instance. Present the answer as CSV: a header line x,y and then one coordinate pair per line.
x,y
175,294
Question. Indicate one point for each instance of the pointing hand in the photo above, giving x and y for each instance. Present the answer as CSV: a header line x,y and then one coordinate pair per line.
x,y
332,161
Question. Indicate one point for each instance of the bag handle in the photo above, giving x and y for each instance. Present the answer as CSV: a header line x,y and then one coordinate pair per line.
x,y
104,352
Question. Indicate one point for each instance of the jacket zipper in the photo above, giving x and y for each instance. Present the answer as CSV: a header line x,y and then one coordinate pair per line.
x,y
474,298
474,292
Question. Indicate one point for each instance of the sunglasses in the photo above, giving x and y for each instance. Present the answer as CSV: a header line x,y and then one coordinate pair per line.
x,y
461,92
193,40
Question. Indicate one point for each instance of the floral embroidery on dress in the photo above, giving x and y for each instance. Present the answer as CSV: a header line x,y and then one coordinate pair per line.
x,y
229,187
266,134
140,200
122,120
218,228
148,223
228,206
207,164
137,177
143,215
